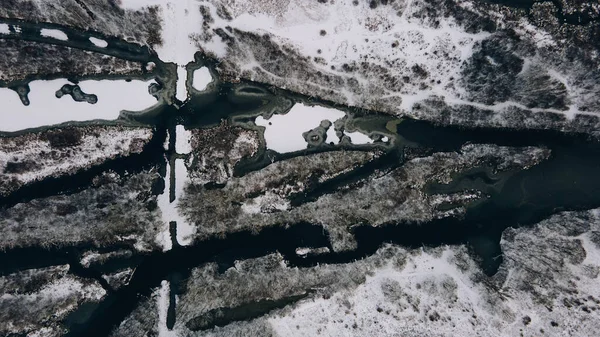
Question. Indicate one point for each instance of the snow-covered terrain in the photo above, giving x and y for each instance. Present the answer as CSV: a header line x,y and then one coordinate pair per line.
x,y
170,211
547,288
394,56
36,156
547,284
183,140
44,108
115,211
201,79
36,302
176,178
283,133
254,168
141,25
260,199
182,91
460,62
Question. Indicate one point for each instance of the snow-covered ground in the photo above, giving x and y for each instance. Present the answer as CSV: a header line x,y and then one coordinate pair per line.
x,y
283,133
162,303
545,284
180,18
358,138
202,78
4,29
340,33
185,230
182,92
392,301
86,151
45,108
168,213
169,209
36,302
388,56
305,251
183,140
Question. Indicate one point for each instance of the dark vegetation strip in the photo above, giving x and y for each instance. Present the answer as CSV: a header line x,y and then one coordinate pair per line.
x,y
268,157
243,312
151,156
22,258
386,163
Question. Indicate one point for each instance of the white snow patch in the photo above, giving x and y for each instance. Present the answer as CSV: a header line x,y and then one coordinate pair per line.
x,y
98,42
304,251
139,4
180,19
183,140
499,107
162,301
45,109
542,39
592,253
409,100
69,286
167,142
4,29
331,318
113,142
184,229
126,273
358,138
54,33
170,211
268,202
201,79
43,332
332,137
355,31
167,211
283,133
89,257
182,92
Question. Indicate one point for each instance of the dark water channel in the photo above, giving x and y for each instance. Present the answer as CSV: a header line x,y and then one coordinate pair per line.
x,y
29,31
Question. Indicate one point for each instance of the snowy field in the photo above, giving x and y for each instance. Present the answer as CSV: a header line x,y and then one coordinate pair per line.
x,y
45,108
